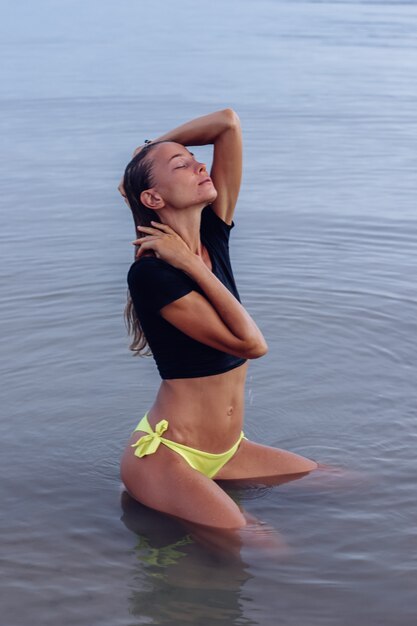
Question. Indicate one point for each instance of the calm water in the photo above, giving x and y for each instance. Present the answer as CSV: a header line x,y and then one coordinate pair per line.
x,y
324,252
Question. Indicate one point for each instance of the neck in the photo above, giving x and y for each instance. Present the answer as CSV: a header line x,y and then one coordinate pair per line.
x,y
186,223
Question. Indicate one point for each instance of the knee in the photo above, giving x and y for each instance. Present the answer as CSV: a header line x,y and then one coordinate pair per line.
x,y
225,516
234,522
310,465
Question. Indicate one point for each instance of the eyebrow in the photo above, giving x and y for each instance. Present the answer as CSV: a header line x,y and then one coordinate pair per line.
x,y
180,154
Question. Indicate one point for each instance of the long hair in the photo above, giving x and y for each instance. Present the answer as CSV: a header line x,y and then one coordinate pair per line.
x,y
138,178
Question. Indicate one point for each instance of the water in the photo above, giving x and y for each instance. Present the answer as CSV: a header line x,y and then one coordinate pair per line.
x,y
324,257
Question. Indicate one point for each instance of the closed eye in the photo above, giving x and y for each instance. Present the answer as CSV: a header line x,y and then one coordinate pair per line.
x,y
192,160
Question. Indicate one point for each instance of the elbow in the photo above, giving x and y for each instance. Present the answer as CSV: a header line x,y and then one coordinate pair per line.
x,y
256,349
232,118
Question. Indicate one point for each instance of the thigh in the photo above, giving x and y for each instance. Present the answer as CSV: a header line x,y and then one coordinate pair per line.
x,y
164,481
255,461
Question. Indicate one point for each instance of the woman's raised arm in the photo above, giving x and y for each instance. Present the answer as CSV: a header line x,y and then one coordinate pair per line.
x,y
222,129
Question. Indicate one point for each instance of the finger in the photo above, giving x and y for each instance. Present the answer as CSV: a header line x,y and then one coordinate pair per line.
x,y
149,229
139,251
141,240
163,227
148,245
136,151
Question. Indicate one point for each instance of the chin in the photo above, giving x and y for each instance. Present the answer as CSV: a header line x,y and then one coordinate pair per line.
x,y
212,195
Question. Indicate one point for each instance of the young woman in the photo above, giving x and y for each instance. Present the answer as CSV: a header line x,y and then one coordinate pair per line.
x,y
185,306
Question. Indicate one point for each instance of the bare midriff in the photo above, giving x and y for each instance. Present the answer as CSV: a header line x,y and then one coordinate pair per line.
x,y
206,412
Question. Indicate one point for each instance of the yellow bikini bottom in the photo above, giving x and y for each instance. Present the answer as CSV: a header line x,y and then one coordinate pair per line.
x,y
207,463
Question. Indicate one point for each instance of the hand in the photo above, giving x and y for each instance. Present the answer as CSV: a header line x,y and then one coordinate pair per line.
x,y
139,148
165,243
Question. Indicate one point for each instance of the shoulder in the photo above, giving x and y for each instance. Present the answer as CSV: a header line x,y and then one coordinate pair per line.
x,y
144,265
213,226
152,273
142,268
154,283
209,215
150,268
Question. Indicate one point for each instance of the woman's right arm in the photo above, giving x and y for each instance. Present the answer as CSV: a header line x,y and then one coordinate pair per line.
x,y
218,320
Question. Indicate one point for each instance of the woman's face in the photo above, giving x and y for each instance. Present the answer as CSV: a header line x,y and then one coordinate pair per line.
x,y
179,178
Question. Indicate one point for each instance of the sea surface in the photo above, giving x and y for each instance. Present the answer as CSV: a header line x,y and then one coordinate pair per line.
x,y
324,254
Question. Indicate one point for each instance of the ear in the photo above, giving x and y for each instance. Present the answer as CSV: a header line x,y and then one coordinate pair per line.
x,y
152,199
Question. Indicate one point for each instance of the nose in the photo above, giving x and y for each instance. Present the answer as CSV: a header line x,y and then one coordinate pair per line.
x,y
201,167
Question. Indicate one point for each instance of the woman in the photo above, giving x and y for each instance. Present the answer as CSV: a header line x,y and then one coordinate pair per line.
x,y
185,305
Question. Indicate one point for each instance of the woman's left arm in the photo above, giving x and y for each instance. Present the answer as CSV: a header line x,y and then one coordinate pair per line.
x,y
223,130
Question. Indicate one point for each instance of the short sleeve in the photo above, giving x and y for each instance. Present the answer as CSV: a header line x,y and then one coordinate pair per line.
x,y
154,283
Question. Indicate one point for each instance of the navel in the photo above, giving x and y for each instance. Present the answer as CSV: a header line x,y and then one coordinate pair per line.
x,y
230,411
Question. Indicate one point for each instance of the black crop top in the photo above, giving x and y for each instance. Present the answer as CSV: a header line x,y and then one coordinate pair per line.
x,y
154,283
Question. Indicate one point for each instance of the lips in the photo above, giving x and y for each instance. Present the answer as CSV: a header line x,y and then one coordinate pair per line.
x,y
206,180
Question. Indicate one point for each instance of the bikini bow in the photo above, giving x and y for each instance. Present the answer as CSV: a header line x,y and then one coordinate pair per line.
x,y
148,444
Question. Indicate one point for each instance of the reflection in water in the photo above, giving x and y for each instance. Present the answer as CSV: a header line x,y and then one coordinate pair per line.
x,y
178,580
189,573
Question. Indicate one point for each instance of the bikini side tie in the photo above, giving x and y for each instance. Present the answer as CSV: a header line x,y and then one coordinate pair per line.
x,y
148,444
